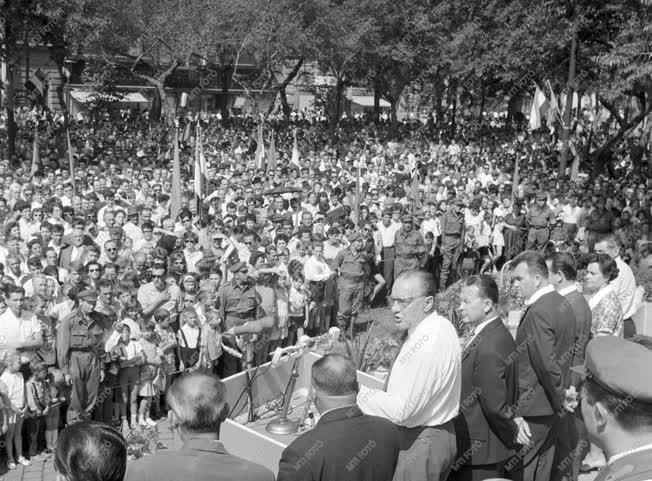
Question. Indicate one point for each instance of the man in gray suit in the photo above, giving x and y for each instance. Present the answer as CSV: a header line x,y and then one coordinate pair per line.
x,y
563,275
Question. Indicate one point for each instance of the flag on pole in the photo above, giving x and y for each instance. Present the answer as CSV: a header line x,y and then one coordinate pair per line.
x,y
515,180
535,112
200,166
260,149
295,152
271,155
71,160
37,81
175,198
357,196
553,112
36,154
186,133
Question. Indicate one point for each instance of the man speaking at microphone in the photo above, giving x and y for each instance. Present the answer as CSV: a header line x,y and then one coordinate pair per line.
x,y
423,389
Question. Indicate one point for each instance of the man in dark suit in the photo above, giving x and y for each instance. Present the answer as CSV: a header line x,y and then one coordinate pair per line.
x,y
197,409
573,438
345,444
544,348
485,428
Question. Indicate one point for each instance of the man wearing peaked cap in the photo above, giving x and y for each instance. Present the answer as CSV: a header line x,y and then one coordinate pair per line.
x,y
80,351
353,270
410,247
616,401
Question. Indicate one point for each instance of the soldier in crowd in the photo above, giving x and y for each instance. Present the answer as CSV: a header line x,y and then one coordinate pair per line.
x,y
452,234
410,246
353,271
539,218
80,350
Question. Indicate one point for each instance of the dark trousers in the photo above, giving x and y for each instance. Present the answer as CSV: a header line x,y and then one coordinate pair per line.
x,y
33,426
350,297
535,462
104,409
566,447
387,257
427,453
229,364
85,376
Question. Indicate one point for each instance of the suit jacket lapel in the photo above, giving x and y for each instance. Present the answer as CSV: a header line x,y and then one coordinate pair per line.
x,y
474,343
527,308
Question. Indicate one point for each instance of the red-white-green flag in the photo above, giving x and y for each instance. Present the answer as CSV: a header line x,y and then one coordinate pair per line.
x,y
295,152
260,149
515,180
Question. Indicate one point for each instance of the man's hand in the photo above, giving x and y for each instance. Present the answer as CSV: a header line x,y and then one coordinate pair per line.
x,y
524,435
68,379
102,375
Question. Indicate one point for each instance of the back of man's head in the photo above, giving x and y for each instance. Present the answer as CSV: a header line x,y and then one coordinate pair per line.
x,y
335,375
199,403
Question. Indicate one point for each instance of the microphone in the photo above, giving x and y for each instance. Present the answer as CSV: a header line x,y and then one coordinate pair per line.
x,y
306,342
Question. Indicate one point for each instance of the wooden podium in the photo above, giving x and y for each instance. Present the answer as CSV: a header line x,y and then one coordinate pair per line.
x,y
251,441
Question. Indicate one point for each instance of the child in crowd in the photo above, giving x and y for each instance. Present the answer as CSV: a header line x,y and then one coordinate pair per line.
x,y
38,404
149,372
129,356
168,345
188,339
12,386
211,342
297,302
54,384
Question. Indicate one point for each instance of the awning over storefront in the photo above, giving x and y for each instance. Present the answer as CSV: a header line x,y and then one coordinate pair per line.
x,y
368,101
86,96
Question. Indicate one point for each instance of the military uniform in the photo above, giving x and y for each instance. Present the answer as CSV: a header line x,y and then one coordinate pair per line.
x,y
353,269
410,246
539,220
452,231
80,350
616,365
238,304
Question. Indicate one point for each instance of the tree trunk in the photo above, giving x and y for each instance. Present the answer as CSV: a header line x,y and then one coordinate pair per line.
x,y
285,106
568,108
224,97
376,112
483,98
281,92
336,108
452,87
438,96
155,112
393,126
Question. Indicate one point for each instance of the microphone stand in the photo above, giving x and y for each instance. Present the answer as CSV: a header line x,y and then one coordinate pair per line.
x,y
249,353
283,425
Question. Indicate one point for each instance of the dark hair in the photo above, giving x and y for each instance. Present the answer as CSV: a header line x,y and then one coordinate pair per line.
x,y
13,289
534,261
629,413
486,286
606,264
91,451
335,375
565,263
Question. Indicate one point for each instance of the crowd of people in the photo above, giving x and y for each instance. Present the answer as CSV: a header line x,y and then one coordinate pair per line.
x,y
107,298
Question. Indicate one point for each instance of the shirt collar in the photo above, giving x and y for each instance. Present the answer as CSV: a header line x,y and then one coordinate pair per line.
x,y
564,291
482,325
538,294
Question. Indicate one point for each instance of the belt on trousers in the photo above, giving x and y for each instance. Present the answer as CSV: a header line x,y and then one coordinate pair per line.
x,y
240,315
82,349
409,256
452,235
350,277
535,227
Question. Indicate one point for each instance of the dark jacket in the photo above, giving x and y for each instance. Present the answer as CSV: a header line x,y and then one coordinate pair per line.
x,y
485,428
344,445
544,347
583,319
198,460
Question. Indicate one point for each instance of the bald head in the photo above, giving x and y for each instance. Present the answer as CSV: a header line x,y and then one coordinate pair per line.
x,y
198,402
335,375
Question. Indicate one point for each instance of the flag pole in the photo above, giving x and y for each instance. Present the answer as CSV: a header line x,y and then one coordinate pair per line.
x,y
175,200
357,195
71,161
